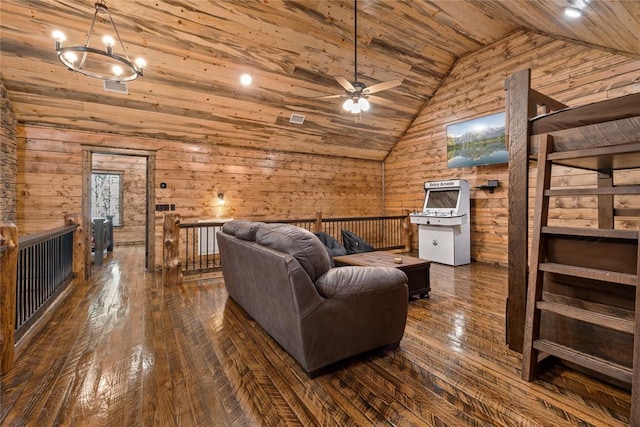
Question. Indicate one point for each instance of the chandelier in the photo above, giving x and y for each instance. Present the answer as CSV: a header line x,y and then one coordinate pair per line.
x,y
102,63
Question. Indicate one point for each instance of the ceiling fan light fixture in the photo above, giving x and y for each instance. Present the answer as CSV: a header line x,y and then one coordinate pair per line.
x,y
363,104
102,63
572,12
357,92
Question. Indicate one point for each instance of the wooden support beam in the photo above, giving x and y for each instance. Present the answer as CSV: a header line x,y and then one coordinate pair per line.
x,y
635,381
8,275
519,109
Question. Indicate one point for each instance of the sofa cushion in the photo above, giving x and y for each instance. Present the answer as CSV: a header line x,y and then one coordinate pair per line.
x,y
242,229
247,231
344,281
302,244
229,227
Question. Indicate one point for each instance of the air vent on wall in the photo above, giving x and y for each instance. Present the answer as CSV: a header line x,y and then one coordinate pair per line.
x,y
297,119
119,87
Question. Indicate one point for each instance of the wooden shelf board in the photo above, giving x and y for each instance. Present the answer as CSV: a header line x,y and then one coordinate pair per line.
x,y
571,192
608,368
624,156
590,273
604,320
604,233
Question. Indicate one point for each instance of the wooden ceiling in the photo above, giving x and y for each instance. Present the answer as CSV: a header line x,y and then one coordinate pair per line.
x,y
197,49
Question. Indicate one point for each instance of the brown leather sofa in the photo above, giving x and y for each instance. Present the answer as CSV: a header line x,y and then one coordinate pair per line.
x,y
281,276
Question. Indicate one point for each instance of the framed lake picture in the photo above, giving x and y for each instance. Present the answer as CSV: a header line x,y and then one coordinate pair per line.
x,y
477,142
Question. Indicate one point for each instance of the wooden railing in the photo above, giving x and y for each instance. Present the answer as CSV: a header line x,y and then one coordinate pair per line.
x,y
191,248
102,234
383,232
34,270
200,254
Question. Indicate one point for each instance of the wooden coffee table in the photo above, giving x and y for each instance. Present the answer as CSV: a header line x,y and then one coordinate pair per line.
x,y
416,269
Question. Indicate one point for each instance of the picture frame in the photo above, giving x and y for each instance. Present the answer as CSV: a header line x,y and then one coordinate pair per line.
x,y
477,142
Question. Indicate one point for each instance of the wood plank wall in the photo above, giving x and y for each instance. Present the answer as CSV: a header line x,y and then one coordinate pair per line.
x,y
262,184
134,187
257,184
571,73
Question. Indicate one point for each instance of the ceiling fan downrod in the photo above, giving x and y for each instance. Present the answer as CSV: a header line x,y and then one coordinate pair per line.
x,y
355,41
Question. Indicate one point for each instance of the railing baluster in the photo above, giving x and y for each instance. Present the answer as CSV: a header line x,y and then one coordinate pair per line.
x,y
193,252
45,266
380,232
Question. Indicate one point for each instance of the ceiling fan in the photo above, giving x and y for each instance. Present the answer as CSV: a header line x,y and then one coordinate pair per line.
x,y
358,93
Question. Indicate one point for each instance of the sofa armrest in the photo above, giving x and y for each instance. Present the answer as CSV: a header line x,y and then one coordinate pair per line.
x,y
344,281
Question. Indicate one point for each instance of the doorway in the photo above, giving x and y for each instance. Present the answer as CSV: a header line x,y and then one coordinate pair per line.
x,y
140,158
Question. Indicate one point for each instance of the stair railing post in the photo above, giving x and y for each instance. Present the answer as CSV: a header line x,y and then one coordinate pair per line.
x,y
318,222
407,230
78,247
171,265
8,277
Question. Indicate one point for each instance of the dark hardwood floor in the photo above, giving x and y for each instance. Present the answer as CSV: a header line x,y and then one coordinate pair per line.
x,y
123,350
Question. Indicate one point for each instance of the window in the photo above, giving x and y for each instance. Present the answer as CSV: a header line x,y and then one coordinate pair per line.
x,y
106,196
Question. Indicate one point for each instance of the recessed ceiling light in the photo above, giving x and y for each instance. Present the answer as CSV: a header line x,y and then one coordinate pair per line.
x,y
246,79
572,12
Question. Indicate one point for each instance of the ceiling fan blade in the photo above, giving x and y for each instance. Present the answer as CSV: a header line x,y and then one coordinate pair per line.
x,y
381,101
381,86
330,96
345,84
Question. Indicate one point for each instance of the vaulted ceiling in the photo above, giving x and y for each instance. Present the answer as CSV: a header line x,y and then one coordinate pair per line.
x,y
197,49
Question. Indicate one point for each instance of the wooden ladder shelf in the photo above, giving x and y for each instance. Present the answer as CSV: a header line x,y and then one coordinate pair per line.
x,y
549,261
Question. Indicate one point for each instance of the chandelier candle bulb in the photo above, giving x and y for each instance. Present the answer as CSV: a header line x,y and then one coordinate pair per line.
x,y
71,57
117,71
141,63
108,41
59,37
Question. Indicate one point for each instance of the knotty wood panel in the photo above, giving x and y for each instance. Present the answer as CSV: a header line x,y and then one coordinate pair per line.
x,y
257,184
196,51
475,88
189,355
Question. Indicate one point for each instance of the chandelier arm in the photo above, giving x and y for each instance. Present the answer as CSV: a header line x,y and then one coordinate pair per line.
x,y
88,39
113,24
